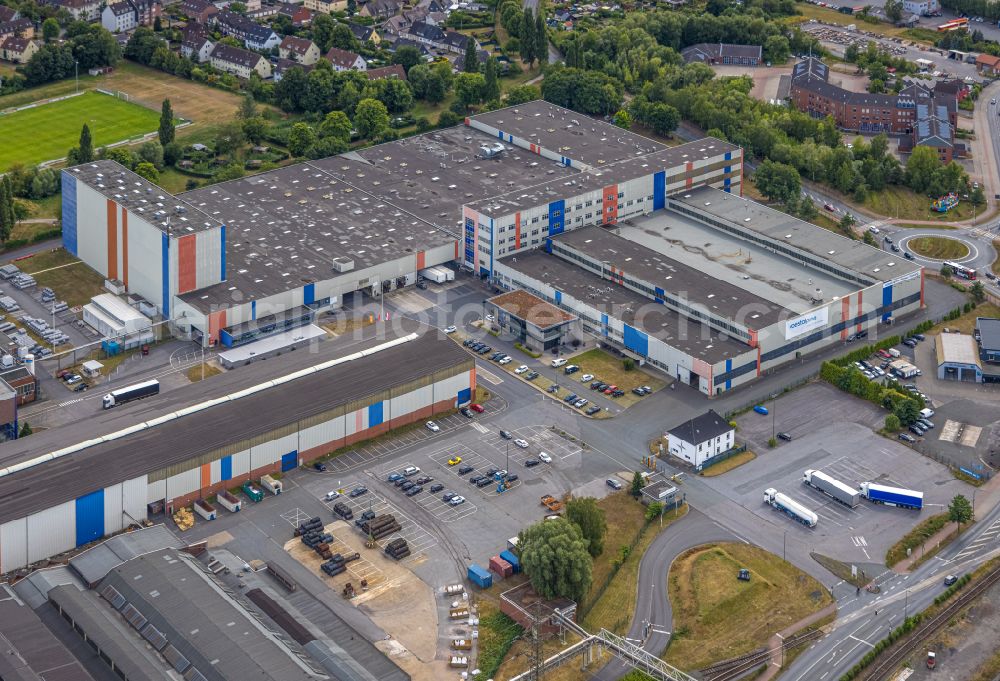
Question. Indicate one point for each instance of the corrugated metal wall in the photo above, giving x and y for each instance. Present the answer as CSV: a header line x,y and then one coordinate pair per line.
x,y
52,531
322,433
268,453
14,545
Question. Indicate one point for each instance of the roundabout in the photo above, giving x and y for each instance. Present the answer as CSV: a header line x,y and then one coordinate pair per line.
x,y
932,247
939,247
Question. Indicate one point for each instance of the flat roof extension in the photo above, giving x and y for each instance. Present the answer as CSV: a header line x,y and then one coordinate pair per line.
x,y
532,309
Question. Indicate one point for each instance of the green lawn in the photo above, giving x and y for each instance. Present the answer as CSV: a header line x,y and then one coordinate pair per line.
x,y
110,120
938,247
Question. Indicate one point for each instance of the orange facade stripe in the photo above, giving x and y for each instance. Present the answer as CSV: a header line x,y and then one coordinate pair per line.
x,y
112,239
187,279
206,475
472,381
845,314
125,247
216,322
421,260
517,230
858,330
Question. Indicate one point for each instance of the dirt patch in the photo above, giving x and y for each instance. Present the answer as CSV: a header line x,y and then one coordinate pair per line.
x,y
219,539
396,600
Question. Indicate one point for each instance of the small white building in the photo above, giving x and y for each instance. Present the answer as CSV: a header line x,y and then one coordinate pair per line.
x,y
701,438
113,318
119,17
91,368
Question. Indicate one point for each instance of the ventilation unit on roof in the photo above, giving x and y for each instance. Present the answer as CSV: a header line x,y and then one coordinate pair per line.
x,y
343,264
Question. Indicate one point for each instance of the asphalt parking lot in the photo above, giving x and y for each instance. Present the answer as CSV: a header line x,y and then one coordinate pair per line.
x,y
418,539
849,450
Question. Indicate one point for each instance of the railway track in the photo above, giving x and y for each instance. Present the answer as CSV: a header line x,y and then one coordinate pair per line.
x,y
885,664
729,670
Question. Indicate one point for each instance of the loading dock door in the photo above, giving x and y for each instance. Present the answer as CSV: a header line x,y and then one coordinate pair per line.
x,y
683,374
289,461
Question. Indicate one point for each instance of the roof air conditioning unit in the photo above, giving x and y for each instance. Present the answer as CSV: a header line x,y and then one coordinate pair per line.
x,y
343,264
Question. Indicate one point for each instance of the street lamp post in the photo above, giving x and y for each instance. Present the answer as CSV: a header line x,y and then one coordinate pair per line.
x,y
76,71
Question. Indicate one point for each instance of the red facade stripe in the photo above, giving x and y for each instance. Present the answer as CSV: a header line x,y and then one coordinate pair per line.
x,y
517,229
187,279
421,260
125,247
216,322
858,330
112,209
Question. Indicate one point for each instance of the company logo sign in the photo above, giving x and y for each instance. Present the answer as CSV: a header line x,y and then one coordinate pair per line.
x,y
813,320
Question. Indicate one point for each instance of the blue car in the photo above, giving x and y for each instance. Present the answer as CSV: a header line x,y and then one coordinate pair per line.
x,y
761,409
393,477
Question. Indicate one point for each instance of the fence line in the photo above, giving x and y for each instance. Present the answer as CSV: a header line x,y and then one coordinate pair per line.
x,y
33,105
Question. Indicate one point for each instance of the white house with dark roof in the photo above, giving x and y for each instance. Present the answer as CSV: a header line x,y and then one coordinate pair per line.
x,y
118,17
197,48
301,50
345,60
252,34
701,438
239,62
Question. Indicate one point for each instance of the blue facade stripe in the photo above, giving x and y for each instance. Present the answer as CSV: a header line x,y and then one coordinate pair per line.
x,y
558,297
253,309
557,214
500,134
887,301
289,461
309,294
226,466
635,340
225,338
548,246
464,395
69,212
493,244
604,324
165,275
729,157
375,417
660,295
729,367
222,249
90,517
659,190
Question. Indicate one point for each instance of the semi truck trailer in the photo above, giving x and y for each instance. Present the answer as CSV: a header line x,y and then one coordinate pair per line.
x,y
832,487
892,496
790,507
131,392
434,274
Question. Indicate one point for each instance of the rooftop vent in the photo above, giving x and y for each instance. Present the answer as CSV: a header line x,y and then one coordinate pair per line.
x,y
343,264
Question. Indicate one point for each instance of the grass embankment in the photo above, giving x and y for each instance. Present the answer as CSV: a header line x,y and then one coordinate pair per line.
x,y
611,601
729,464
717,617
967,322
202,371
830,16
110,120
914,538
902,202
70,279
938,247
611,370
496,635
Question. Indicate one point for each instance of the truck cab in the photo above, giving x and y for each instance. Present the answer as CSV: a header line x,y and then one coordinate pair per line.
x,y
108,401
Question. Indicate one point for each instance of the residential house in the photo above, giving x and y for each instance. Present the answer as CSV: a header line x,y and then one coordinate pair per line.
x,y
396,71
435,36
436,19
20,28
395,42
723,53
300,16
282,66
921,7
301,50
200,11
955,88
16,49
118,17
198,48
80,10
252,34
326,6
345,60
239,62
988,65
23,382
263,13
251,5
701,438
364,33
380,9
146,11
8,14
435,6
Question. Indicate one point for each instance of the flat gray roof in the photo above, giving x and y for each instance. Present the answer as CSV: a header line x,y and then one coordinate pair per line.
x,y
663,266
870,263
74,475
764,277
656,320
96,562
571,134
157,205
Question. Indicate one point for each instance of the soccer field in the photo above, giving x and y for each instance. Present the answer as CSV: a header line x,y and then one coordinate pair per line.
x,y
49,131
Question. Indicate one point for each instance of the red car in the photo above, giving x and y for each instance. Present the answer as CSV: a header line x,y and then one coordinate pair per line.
x,y
610,389
828,206
884,355
478,408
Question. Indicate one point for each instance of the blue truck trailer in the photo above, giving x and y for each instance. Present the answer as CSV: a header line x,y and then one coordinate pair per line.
x,y
480,576
892,496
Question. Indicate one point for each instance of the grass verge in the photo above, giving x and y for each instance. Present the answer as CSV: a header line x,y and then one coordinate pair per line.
x,y
611,370
729,464
69,277
197,373
938,247
717,617
110,120
915,537
967,322
496,635
611,601
910,225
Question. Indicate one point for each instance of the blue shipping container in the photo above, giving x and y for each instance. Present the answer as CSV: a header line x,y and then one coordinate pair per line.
x,y
480,577
512,559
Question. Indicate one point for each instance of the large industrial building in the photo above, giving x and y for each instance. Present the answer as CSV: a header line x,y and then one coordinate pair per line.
x,y
237,260
68,486
717,289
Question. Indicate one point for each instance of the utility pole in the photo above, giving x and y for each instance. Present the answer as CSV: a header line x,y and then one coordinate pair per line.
x,y
536,645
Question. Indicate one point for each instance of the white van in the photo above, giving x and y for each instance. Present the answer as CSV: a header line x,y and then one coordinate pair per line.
x,y
410,471
926,413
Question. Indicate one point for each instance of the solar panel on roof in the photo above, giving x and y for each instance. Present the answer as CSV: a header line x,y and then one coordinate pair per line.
x,y
193,674
154,636
111,595
134,617
176,660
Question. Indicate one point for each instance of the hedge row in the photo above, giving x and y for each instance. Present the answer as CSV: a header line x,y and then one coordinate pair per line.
x,y
904,405
905,628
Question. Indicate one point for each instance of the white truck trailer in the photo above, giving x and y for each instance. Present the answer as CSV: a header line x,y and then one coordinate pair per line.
x,y
832,487
790,507
434,274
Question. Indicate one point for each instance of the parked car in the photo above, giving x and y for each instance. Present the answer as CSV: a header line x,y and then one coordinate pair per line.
x,y
528,463
457,500
785,436
572,397
554,388
523,369
436,487
761,409
523,444
531,375
320,466
571,369
448,496
433,427
393,477
586,377
478,408
505,434
905,437
465,468
558,362
331,495
407,484
950,579
581,403
467,413
483,482
511,477
454,461
610,389
613,484
505,360
423,480
80,387
545,458
358,491
414,491
410,471
450,329
592,409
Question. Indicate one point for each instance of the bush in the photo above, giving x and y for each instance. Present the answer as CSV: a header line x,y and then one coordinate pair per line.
x,y
628,364
892,423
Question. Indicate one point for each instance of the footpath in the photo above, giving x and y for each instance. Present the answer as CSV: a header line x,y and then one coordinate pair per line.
x,y
774,643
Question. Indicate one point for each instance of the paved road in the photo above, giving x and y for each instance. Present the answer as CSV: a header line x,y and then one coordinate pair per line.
x,y
652,604
554,55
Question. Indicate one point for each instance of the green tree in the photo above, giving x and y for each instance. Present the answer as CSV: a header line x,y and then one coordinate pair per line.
x,y
172,153
960,511
589,517
491,85
407,56
978,292
946,271
157,24
907,412
301,137
776,49
622,119
846,223
892,423
322,32
638,482
148,171
920,168
894,9
541,37
248,108
469,89
50,29
85,152
555,558
522,94
371,118
336,124
166,132
977,197
654,509
152,152
228,139
25,430
777,181
526,34
254,128
7,214
341,36
470,64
